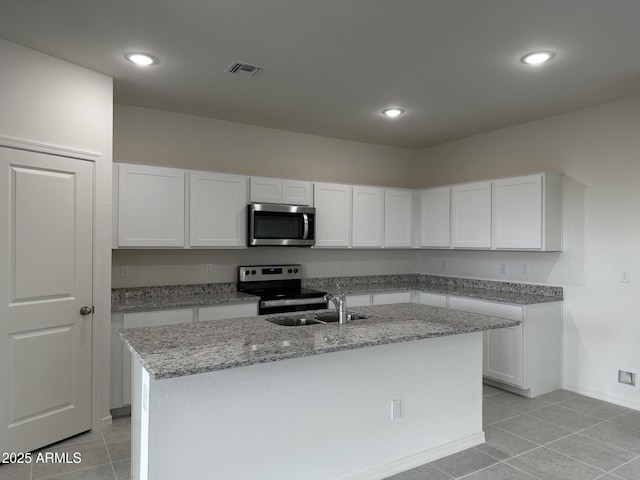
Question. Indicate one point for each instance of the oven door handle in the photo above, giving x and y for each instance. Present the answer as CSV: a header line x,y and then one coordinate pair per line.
x,y
305,234
292,302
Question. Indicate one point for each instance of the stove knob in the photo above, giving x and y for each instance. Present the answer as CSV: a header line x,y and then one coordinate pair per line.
x,y
253,272
295,270
290,270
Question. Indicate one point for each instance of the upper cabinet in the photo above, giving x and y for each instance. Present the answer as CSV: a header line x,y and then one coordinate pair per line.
x,y
333,214
367,216
528,212
435,217
217,210
398,218
471,215
150,206
276,190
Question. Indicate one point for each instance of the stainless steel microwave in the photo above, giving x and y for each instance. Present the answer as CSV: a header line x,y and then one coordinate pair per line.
x,y
280,225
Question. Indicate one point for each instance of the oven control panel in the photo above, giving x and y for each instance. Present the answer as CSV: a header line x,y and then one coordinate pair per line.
x,y
260,273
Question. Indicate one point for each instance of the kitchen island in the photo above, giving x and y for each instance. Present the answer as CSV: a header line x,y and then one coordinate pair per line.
x,y
248,399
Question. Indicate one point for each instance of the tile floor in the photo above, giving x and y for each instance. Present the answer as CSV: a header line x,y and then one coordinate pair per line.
x,y
560,435
106,455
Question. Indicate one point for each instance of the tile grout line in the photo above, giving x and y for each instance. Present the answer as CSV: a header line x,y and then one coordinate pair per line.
x,y
104,441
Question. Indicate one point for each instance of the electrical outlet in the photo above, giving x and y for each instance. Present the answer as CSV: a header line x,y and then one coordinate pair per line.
x,y
396,409
503,269
525,269
124,271
445,264
208,268
624,276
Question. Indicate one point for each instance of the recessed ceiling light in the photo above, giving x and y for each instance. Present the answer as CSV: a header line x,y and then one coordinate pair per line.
x,y
393,112
536,58
142,59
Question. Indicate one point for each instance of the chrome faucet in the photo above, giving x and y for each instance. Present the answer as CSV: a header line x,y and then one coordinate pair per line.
x,y
340,303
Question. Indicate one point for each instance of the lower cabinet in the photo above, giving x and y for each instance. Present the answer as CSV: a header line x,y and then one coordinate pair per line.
x,y
120,356
526,358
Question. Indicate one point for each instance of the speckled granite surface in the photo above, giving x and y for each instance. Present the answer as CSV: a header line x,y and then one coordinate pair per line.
x,y
192,348
503,292
138,299
177,296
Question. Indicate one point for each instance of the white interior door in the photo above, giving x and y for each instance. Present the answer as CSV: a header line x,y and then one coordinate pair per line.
x,y
46,244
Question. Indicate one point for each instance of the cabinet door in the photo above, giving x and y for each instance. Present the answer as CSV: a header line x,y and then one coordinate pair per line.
x,y
435,217
266,190
503,355
518,212
217,211
398,218
150,206
367,217
471,215
222,312
387,298
147,319
296,192
333,214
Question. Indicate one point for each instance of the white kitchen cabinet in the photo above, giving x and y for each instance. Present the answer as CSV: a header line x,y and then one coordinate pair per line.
x,y
388,298
217,210
435,217
145,319
277,190
526,358
367,216
332,202
150,206
433,299
398,218
222,312
471,215
528,212
363,300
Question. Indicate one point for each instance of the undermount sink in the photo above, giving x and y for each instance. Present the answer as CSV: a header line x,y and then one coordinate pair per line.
x,y
291,321
333,316
300,319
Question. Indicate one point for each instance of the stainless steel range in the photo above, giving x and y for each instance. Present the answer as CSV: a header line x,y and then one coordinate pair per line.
x,y
279,288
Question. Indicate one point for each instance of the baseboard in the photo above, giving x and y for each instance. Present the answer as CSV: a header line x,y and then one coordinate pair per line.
x,y
121,411
604,396
413,461
106,421
507,387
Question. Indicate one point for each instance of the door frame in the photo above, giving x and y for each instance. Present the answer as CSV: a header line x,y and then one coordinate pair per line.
x,y
101,263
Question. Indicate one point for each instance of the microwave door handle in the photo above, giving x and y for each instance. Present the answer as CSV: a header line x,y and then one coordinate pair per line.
x,y
305,234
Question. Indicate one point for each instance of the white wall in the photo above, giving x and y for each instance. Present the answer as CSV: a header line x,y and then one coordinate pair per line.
x,y
143,135
48,101
598,149
182,267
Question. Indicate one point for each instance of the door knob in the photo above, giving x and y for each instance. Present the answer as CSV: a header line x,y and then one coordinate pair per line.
x,y
86,310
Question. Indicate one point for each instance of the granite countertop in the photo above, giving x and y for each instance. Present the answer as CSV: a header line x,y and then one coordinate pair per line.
x,y
179,300
511,297
193,348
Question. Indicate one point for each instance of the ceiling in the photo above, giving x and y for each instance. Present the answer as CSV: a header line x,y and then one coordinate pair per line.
x,y
333,65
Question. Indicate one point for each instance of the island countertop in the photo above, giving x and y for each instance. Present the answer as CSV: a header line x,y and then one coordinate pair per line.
x,y
201,347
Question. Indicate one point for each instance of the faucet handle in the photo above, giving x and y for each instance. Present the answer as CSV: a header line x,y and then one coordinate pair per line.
x,y
339,289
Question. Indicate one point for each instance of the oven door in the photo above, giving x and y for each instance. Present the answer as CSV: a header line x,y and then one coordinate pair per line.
x,y
283,305
281,225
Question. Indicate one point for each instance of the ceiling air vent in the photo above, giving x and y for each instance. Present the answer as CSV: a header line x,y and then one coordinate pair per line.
x,y
244,69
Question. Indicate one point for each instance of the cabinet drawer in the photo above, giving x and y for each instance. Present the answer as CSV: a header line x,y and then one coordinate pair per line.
x,y
433,299
386,298
358,300
220,312
511,312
